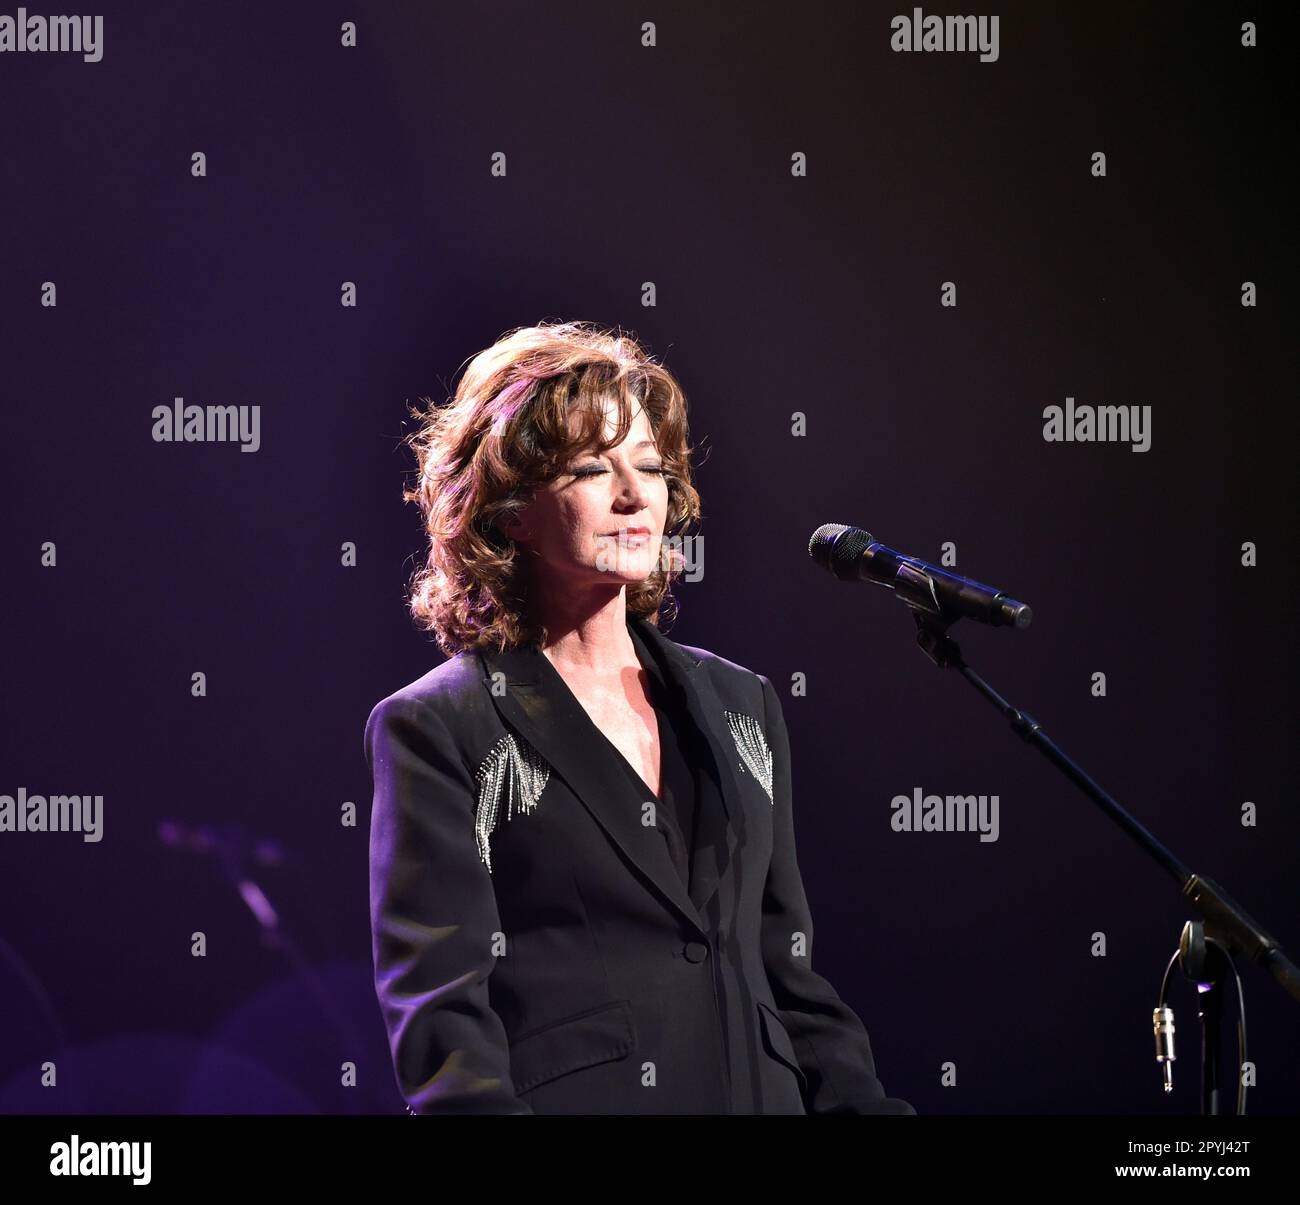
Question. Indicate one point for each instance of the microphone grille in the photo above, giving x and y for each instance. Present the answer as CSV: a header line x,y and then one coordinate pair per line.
x,y
839,547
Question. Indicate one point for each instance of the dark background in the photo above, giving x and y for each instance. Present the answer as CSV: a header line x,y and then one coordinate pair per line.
x,y
774,295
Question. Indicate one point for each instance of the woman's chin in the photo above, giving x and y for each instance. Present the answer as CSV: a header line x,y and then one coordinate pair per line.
x,y
630,564
628,577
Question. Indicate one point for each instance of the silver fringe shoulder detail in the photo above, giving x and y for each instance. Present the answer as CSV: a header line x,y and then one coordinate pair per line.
x,y
513,772
751,744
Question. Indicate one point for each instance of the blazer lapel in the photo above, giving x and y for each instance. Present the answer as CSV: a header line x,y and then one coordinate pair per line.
x,y
537,703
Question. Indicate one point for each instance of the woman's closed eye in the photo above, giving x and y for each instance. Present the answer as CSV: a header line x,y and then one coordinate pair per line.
x,y
596,470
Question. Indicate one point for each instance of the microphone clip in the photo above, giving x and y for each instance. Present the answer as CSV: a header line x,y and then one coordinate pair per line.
x,y
932,636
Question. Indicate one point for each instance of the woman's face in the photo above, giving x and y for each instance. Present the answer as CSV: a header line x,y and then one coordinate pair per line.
x,y
577,524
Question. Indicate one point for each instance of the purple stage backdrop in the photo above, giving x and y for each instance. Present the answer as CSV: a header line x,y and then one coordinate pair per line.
x,y
875,270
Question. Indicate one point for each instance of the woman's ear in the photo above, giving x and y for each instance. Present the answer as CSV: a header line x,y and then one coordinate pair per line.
x,y
516,522
516,529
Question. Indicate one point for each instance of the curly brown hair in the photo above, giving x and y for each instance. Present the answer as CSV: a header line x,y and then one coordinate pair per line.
x,y
507,431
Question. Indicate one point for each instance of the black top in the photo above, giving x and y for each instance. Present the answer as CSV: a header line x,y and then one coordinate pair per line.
x,y
678,766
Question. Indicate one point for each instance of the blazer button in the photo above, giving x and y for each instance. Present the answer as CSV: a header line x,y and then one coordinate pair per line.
x,y
695,951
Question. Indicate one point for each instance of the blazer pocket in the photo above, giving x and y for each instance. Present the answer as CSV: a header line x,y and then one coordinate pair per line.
x,y
778,1044
599,1035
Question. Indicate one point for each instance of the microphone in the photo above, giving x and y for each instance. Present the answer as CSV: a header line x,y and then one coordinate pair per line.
x,y
853,555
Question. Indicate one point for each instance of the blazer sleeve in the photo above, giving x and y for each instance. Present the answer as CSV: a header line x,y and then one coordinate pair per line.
x,y
829,1039
433,914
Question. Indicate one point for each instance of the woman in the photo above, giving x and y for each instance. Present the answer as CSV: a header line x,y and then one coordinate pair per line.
x,y
584,892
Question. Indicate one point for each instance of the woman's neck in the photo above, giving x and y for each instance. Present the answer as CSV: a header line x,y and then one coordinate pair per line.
x,y
591,644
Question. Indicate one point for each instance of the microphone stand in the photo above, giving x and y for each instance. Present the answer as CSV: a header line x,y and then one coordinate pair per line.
x,y
1223,923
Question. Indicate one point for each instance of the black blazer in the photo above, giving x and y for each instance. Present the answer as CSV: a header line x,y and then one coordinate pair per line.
x,y
536,950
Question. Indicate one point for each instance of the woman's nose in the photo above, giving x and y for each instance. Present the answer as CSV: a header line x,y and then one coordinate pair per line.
x,y
631,487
